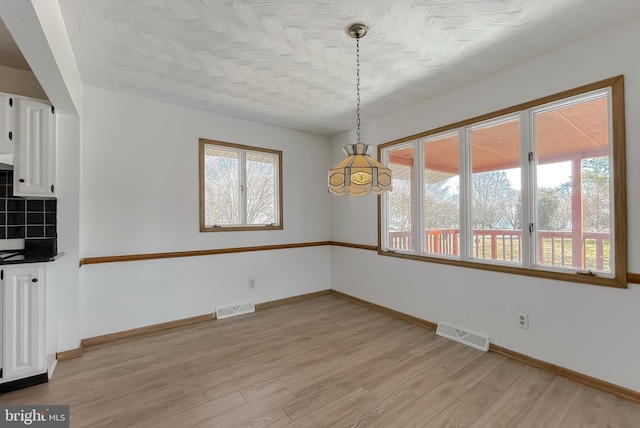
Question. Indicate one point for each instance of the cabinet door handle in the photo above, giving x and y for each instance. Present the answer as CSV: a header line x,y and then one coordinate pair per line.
x,y
10,135
21,180
34,280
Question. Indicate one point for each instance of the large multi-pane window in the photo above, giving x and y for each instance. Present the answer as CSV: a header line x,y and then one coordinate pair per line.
x,y
240,187
536,189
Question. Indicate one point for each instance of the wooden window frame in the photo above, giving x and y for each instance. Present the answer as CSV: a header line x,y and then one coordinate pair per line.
x,y
243,227
619,194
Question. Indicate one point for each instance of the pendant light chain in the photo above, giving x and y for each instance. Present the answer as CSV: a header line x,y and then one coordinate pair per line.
x,y
359,174
358,85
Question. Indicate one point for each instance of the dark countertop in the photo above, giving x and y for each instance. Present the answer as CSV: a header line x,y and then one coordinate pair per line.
x,y
25,259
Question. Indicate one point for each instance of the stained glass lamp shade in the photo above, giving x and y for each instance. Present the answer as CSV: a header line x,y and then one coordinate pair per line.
x,y
359,174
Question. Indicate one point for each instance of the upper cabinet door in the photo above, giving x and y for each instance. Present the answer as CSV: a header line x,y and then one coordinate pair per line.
x,y
7,123
34,157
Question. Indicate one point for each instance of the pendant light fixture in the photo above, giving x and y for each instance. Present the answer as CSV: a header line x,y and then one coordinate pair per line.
x,y
359,173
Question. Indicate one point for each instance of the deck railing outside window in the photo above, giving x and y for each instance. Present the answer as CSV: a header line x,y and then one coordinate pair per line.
x,y
554,247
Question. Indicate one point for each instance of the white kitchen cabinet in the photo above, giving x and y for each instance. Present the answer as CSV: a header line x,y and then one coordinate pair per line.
x,y
7,123
24,318
34,153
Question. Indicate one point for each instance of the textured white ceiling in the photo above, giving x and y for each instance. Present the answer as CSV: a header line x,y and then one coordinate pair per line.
x,y
291,63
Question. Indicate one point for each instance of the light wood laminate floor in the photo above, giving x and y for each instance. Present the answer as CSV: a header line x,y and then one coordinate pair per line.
x,y
323,362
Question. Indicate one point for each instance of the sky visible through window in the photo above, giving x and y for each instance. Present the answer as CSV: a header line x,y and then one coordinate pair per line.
x,y
549,175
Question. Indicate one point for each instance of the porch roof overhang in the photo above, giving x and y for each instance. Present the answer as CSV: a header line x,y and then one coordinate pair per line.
x,y
578,131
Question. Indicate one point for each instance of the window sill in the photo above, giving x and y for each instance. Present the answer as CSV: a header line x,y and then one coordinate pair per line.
x,y
239,228
618,282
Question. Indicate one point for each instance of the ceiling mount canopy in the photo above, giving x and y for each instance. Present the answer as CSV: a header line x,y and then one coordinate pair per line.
x,y
358,30
359,173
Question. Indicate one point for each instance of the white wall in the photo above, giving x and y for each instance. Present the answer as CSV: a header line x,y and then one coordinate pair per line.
x,y
121,296
140,195
140,177
68,227
585,328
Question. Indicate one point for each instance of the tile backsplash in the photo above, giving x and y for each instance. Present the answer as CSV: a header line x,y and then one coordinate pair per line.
x,y
24,218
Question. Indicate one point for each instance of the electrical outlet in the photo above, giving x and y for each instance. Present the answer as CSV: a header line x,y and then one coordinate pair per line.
x,y
252,283
522,320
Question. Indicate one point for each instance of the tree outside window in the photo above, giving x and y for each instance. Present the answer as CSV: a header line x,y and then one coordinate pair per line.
x,y
240,187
